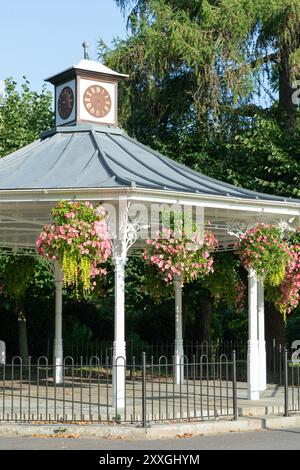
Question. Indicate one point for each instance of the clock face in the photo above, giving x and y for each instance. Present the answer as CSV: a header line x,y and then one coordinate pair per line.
x,y
65,102
97,101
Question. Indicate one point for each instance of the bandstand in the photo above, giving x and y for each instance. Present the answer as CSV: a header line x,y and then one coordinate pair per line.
x,y
86,156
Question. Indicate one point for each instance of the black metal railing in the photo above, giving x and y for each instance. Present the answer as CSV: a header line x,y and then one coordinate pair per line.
x,y
82,351
274,353
275,362
154,349
158,349
85,391
291,384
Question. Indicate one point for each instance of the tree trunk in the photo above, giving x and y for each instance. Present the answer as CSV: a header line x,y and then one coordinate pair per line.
x,y
287,109
203,320
22,335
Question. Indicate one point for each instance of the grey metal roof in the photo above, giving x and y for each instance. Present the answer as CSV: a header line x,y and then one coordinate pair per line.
x,y
86,66
90,156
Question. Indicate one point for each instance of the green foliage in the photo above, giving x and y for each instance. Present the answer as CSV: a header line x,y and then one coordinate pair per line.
x,y
191,113
155,286
23,115
225,280
265,158
21,272
79,332
17,276
233,326
293,327
204,65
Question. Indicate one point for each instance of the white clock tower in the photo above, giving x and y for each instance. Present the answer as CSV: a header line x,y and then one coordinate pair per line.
x,y
86,92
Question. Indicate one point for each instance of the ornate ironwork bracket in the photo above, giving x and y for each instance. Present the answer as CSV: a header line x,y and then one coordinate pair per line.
x,y
236,228
128,231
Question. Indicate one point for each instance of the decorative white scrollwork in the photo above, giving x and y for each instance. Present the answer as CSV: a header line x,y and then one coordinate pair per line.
x,y
236,228
286,225
129,228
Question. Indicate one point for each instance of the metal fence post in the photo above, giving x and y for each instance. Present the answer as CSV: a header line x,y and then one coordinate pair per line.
x,y
273,361
144,407
234,391
286,384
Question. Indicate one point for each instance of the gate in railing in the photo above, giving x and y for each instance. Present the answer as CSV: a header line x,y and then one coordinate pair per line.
x,y
28,392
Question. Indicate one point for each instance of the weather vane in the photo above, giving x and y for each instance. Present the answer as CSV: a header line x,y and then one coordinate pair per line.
x,y
85,46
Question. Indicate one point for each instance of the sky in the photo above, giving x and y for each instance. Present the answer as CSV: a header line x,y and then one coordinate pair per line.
x,y
39,38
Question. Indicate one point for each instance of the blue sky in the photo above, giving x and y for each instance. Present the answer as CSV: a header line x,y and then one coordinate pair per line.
x,y
39,38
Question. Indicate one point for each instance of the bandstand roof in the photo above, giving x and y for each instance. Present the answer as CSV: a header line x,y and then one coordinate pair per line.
x,y
97,162
90,156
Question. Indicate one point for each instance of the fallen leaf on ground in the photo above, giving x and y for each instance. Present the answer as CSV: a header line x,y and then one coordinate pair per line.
x,y
186,435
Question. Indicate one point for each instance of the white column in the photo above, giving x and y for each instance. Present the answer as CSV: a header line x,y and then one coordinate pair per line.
x,y
58,341
119,345
261,337
178,347
252,356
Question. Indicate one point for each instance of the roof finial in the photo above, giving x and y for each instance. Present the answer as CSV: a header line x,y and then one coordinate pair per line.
x,y
85,46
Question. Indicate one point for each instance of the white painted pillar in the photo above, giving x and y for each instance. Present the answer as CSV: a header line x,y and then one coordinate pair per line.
x,y
178,346
261,337
58,341
119,345
252,356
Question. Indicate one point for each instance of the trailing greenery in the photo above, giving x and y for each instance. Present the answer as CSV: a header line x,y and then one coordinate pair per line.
x,y
225,283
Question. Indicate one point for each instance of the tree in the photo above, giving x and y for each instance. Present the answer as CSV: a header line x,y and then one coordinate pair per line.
x,y
24,115
17,275
197,71
279,31
216,56
23,278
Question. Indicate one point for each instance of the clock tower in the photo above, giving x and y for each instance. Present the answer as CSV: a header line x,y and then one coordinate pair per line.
x,y
86,92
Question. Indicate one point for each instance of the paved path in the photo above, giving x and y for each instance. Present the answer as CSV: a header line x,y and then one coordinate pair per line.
x,y
286,439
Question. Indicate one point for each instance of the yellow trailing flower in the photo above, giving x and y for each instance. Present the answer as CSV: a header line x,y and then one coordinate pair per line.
x,y
276,278
85,267
70,268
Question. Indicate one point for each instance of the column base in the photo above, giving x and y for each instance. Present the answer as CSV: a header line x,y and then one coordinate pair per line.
x,y
262,365
58,360
253,370
118,375
179,362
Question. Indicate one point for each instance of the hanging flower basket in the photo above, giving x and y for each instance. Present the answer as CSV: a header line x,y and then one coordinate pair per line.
x,y
263,249
286,297
289,291
79,239
187,258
